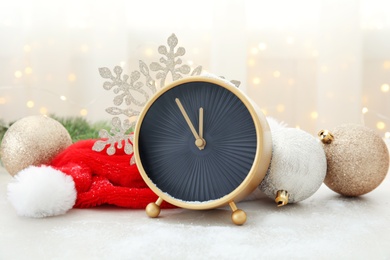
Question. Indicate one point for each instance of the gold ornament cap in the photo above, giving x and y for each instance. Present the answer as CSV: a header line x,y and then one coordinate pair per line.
x,y
281,198
326,136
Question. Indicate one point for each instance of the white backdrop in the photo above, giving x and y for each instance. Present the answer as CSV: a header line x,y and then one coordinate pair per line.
x,y
311,63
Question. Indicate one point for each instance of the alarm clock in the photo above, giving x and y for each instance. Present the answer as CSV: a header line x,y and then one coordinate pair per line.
x,y
201,143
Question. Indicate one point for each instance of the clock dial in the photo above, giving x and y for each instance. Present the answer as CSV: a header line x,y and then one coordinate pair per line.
x,y
173,161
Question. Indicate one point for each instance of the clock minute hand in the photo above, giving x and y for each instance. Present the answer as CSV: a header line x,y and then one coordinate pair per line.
x,y
198,141
201,127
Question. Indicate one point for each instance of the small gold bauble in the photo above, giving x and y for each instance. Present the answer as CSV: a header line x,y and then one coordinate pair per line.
x,y
153,210
357,160
239,217
33,140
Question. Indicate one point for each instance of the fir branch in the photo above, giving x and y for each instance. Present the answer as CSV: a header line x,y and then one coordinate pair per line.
x,y
3,128
80,129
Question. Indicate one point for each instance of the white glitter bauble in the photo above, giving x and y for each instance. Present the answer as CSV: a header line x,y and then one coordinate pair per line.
x,y
33,140
275,124
298,165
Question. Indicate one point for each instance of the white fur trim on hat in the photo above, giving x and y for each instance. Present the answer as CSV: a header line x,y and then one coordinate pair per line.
x,y
41,192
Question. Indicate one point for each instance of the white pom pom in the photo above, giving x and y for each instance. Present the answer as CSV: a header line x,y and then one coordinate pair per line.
x,y
41,192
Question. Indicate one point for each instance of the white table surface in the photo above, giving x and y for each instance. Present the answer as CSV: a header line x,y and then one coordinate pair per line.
x,y
325,226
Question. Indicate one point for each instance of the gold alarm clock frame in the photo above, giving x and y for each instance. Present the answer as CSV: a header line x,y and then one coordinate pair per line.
x,y
248,185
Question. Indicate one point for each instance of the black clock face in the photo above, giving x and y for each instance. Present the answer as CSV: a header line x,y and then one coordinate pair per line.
x,y
172,160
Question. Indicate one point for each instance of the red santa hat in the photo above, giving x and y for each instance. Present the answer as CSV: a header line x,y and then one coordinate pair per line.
x,y
82,178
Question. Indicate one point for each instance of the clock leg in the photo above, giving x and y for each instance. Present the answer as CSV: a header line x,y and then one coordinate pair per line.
x,y
238,215
153,208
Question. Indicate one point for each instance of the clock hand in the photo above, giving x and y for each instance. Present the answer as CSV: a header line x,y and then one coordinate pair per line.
x,y
199,142
201,127
201,122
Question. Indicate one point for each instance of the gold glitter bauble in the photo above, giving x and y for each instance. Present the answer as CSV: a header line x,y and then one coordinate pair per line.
x,y
32,140
357,160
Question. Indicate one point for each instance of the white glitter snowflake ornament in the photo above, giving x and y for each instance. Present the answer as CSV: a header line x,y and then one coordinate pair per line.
x,y
132,93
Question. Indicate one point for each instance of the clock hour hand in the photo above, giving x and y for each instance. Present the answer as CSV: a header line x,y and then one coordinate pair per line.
x,y
201,122
199,142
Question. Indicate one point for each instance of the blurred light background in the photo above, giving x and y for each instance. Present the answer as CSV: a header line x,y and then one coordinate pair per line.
x,y
311,63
